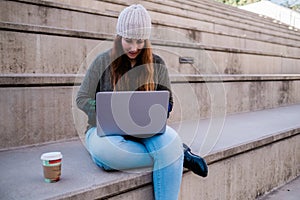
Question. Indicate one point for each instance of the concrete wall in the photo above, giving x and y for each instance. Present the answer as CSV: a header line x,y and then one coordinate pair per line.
x,y
243,176
44,45
32,115
47,37
35,114
242,63
246,176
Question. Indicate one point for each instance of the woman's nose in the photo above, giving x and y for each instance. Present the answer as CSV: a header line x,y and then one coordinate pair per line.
x,y
133,47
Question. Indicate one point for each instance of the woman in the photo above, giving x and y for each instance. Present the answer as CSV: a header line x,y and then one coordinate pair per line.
x,y
130,65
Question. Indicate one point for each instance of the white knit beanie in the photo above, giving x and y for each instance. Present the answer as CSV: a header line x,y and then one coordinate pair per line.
x,y
134,22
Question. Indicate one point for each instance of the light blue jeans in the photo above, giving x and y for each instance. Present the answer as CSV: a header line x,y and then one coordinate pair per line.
x,y
162,153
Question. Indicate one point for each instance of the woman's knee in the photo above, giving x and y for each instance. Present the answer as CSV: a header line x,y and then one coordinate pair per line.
x,y
165,148
168,140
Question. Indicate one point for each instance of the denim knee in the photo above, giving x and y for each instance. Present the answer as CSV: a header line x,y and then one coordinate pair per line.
x,y
165,149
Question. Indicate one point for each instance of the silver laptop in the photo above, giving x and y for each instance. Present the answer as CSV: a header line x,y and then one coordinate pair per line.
x,y
139,113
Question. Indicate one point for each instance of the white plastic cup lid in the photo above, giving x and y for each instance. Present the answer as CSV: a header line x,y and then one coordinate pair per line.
x,y
51,156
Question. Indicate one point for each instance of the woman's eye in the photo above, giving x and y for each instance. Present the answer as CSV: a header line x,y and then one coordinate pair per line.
x,y
140,41
128,40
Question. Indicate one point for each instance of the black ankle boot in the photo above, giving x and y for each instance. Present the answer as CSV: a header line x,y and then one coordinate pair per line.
x,y
194,163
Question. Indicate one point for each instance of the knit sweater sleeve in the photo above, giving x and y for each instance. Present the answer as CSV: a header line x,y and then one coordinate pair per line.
x,y
86,100
162,78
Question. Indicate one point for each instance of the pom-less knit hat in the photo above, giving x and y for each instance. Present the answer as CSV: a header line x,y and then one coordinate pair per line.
x,y
134,22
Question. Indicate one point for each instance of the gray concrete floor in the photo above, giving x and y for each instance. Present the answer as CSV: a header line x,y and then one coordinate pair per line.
x,y
290,191
21,169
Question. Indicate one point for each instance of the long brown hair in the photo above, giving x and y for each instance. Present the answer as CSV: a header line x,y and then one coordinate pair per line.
x,y
120,66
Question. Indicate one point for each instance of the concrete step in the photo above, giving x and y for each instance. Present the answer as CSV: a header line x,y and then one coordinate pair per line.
x,y
52,50
40,108
38,51
50,37
232,10
270,136
289,191
194,18
200,10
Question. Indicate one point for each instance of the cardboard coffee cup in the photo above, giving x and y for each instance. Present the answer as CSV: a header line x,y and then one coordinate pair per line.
x,y
52,166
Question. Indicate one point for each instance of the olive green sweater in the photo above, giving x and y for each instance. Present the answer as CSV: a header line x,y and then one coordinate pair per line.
x,y
98,79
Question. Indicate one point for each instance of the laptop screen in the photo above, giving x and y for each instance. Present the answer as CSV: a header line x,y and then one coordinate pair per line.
x,y
138,113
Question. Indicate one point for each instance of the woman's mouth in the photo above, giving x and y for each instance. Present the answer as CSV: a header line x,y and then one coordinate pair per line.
x,y
132,54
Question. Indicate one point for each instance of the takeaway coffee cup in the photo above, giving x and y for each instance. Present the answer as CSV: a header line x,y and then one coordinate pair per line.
x,y
52,166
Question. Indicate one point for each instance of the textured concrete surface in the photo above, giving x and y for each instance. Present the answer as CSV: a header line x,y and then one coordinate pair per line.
x,y
32,115
57,37
246,175
22,174
271,148
289,191
53,37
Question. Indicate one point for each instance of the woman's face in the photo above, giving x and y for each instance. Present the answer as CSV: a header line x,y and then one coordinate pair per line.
x,y
132,47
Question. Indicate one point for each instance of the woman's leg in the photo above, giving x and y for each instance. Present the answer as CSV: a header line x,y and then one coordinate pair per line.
x,y
163,152
167,153
116,152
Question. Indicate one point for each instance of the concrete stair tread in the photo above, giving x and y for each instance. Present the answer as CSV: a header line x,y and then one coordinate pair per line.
x,y
240,129
22,174
289,191
21,170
